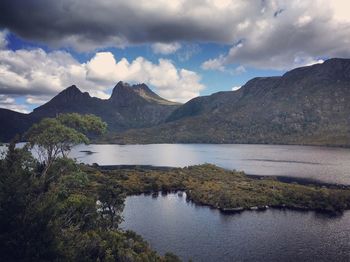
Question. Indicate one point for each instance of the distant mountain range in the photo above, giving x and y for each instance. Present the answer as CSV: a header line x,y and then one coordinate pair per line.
x,y
128,107
307,105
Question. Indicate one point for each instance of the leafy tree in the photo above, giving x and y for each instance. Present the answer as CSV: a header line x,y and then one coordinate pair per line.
x,y
54,137
110,205
24,229
90,125
54,215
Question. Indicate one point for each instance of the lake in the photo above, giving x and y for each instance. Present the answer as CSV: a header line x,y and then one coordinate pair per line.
x,y
325,164
170,223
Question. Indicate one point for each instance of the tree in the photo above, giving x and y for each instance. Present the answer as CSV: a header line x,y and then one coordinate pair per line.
x,y
54,137
24,229
72,214
110,205
89,125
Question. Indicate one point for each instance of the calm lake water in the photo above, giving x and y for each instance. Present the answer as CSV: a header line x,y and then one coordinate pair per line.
x,y
170,223
330,165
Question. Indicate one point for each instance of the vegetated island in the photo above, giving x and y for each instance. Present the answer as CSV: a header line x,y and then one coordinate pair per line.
x,y
228,191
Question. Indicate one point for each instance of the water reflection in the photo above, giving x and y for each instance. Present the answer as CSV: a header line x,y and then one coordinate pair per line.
x,y
170,223
330,165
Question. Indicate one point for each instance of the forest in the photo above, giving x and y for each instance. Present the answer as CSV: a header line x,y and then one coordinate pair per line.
x,y
51,210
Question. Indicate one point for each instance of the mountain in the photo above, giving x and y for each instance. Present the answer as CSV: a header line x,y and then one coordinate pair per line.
x,y
307,105
69,100
130,106
135,107
12,123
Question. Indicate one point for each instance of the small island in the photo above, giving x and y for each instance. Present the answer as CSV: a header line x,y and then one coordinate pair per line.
x,y
228,191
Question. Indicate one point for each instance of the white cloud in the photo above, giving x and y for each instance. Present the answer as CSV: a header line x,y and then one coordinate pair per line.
x,y
274,33
8,102
38,75
214,64
165,48
18,108
35,100
6,99
187,51
172,83
239,70
281,34
341,9
303,21
3,39
218,64
235,88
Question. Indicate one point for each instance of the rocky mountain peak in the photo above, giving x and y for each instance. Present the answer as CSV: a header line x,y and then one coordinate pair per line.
x,y
71,93
124,92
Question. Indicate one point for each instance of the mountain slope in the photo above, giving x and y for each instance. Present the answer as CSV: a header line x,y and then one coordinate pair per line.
x,y
128,107
308,105
12,123
136,106
69,100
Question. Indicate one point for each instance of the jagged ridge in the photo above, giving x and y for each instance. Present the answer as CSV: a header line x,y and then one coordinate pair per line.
x,y
128,107
307,105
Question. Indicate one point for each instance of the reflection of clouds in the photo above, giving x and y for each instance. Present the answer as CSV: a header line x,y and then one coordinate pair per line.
x,y
168,206
275,160
174,155
205,234
157,155
3,150
283,161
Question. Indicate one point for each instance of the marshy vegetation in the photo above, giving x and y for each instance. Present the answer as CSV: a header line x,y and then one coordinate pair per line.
x,y
229,191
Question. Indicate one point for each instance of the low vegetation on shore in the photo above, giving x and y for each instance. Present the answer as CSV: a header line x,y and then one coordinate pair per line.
x,y
229,191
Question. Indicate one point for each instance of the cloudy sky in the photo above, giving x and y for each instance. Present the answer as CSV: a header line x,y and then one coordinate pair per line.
x,y
180,48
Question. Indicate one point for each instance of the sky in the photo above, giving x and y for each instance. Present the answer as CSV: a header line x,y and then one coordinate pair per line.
x,y
181,49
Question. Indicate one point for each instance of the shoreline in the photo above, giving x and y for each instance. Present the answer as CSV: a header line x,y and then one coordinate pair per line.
x,y
285,179
97,142
229,191
239,210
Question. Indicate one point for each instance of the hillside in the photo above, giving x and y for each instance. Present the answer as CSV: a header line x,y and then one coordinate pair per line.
x,y
12,123
308,105
130,106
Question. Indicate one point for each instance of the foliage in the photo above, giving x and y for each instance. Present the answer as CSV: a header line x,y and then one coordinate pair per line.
x,y
86,124
23,227
227,190
54,210
54,137
110,205
56,218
